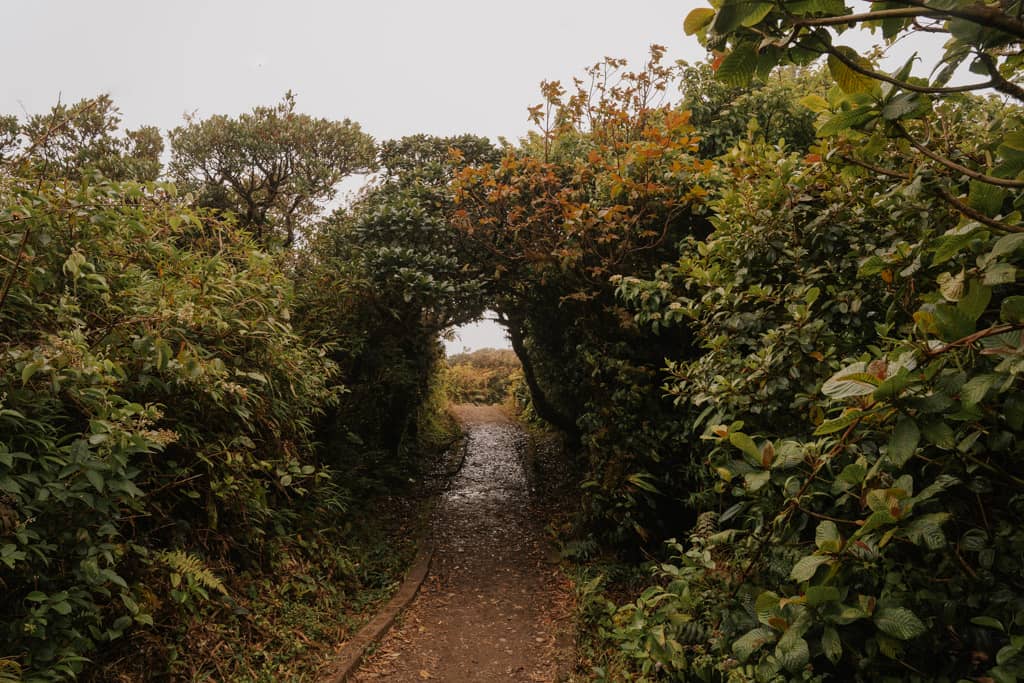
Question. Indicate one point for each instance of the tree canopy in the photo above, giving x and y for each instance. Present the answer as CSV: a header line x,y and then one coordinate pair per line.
x,y
272,168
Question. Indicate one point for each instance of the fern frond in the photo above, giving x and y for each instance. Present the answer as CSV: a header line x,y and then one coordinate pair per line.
x,y
192,567
10,671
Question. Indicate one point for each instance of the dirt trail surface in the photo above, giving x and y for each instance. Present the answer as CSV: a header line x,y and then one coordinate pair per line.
x,y
494,607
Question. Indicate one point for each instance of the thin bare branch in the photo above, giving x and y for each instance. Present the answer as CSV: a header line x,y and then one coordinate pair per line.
x,y
878,15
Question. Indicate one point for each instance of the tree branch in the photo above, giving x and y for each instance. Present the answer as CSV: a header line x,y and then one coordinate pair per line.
x,y
871,73
950,164
868,16
17,264
1000,83
980,14
977,215
971,338
876,169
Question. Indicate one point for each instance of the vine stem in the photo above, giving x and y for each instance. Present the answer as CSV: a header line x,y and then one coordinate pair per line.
x,y
14,269
971,338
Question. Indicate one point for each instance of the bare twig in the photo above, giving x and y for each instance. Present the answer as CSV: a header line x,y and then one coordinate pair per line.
x,y
971,338
14,269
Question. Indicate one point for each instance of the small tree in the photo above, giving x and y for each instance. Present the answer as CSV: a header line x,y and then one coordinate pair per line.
x,y
273,168
71,141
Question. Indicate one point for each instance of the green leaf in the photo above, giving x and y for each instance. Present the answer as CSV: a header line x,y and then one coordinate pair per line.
x,y
872,265
1000,274
876,520
853,380
989,622
757,12
755,480
747,445
806,567
949,245
819,595
894,386
941,483
952,323
766,606
831,645
808,7
793,655
976,301
697,19
96,479
36,596
815,103
826,536
1012,309
899,622
849,80
846,120
974,390
752,641
738,67
986,197
907,68
927,530
736,13
853,474
939,433
788,455
902,105
29,370
903,442
839,423
1007,244
849,614
640,480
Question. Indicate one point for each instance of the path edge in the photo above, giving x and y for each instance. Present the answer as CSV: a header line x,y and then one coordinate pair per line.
x,y
352,653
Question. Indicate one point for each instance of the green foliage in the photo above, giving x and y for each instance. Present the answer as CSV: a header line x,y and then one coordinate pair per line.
x,y
726,115
72,141
483,376
273,168
603,191
378,284
855,396
155,402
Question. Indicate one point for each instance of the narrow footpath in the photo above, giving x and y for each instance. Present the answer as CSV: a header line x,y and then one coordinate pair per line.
x,y
494,606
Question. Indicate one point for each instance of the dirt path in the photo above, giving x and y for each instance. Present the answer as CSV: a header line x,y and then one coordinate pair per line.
x,y
494,608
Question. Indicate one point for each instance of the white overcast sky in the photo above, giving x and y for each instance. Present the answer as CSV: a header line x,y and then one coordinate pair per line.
x,y
397,67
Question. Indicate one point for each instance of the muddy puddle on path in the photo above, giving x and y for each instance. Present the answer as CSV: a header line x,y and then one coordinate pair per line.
x,y
494,607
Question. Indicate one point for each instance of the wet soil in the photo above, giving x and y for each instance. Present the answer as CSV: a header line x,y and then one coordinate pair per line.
x,y
495,606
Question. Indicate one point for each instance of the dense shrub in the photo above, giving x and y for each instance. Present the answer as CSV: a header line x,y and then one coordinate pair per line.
x,y
156,411
482,376
856,403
